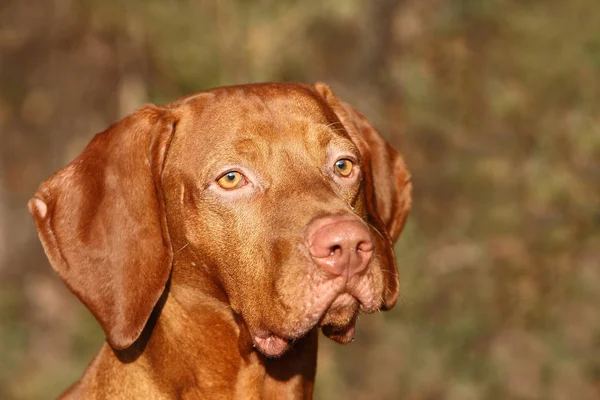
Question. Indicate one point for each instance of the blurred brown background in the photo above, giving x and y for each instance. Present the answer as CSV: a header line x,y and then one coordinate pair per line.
x,y
494,103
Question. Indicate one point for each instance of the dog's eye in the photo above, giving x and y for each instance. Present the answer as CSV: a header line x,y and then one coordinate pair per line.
x,y
231,180
343,167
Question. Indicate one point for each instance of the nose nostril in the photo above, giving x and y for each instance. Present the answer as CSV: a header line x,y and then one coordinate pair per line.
x,y
364,247
334,249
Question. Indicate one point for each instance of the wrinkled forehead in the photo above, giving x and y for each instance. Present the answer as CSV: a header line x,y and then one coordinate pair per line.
x,y
278,104
271,114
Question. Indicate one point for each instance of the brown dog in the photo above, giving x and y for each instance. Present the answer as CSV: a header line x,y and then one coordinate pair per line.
x,y
212,235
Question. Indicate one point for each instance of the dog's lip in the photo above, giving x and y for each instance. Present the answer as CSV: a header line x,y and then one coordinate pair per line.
x,y
274,344
342,334
271,345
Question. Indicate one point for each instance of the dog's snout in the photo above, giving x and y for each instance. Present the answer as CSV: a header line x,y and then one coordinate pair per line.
x,y
340,246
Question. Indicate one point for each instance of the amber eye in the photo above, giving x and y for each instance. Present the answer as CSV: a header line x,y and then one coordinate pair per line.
x,y
230,180
344,167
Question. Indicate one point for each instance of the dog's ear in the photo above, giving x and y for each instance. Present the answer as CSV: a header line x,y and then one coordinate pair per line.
x,y
387,181
102,223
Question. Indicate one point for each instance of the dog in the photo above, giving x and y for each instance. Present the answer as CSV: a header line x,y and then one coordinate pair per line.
x,y
214,236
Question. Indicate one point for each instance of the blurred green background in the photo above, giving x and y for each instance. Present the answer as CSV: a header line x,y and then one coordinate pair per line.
x,y
495,105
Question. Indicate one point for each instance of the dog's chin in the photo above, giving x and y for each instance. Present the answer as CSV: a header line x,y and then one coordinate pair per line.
x,y
338,322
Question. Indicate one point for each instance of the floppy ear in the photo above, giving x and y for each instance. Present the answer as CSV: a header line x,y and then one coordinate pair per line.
x,y
102,223
387,180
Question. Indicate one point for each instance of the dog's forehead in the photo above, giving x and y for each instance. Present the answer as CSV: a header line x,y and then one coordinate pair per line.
x,y
279,103
221,120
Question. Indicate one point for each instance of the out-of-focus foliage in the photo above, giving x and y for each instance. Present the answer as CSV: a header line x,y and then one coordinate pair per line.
x,y
495,105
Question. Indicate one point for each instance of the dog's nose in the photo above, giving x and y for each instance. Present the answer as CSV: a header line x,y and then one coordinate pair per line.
x,y
340,246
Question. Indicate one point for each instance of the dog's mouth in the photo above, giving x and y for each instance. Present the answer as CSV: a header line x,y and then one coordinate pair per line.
x,y
343,334
337,323
332,305
271,345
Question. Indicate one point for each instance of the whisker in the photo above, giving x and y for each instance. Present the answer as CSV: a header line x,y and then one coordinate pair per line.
x,y
381,301
403,299
184,246
333,123
364,219
378,232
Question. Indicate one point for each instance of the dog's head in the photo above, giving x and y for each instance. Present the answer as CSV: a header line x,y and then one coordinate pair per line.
x,y
287,198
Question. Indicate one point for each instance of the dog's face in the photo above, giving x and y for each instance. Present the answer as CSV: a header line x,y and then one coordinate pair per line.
x,y
288,198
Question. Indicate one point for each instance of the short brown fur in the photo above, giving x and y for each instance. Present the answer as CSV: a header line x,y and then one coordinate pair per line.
x,y
184,277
